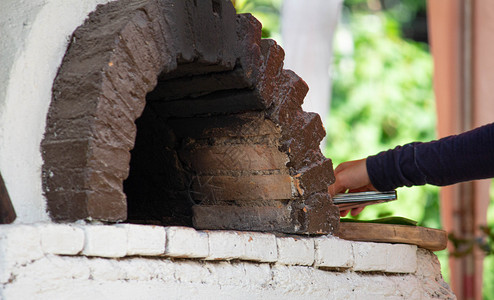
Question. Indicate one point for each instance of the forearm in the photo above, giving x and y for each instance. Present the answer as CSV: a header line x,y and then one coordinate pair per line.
x,y
453,159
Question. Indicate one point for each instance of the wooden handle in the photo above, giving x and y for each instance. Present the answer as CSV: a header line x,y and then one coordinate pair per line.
x,y
7,212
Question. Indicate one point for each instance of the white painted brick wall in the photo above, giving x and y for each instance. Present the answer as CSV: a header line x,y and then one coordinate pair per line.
x,y
295,251
401,258
105,241
369,257
305,268
61,239
332,252
186,242
225,245
260,247
254,246
19,244
144,239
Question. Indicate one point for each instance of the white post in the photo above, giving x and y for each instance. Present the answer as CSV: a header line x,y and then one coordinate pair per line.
x,y
307,30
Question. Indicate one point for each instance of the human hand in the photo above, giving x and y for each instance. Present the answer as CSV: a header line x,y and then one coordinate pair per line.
x,y
351,176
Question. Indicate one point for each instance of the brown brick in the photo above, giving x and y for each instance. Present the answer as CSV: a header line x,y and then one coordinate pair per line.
x,y
199,85
67,205
113,160
114,129
65,179
103,181
303,135
315,178
122,72
130,104
108,206
68,129
66,154
75,96
318,215
265,218
210,189
272,56
248,40
285,218
234,157
213,25
137,38
215,103
248,124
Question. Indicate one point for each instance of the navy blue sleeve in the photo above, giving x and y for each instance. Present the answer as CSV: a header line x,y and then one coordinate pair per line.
x,y
453,159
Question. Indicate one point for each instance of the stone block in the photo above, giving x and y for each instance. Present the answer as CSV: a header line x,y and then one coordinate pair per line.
x,y
370,257
105,241
145,239
225,245
61,239
334,253
295,251
186,242
401,258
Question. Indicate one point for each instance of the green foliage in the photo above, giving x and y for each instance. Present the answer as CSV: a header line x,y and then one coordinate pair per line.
x,y
488,282
402,11
382,97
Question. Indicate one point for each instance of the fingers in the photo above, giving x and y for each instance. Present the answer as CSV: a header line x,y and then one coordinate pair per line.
x,y
344,212
356,211
336,188
351,175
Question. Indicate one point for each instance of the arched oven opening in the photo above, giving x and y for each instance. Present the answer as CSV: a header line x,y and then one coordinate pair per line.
x,y
177,113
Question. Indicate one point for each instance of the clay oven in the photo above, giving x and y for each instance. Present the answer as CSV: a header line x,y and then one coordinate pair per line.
x,y
177,113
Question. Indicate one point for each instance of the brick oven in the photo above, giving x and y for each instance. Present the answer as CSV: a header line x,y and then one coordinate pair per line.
x,y
221,140
175,162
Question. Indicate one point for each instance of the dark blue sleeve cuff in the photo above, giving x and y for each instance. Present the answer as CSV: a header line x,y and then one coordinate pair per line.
x,y
395,168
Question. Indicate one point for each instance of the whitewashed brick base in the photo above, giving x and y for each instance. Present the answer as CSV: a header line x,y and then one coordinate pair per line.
x,y
186,242
295,251
55,261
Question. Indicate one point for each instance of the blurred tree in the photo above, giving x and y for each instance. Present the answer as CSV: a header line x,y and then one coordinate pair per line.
x,y
382,97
